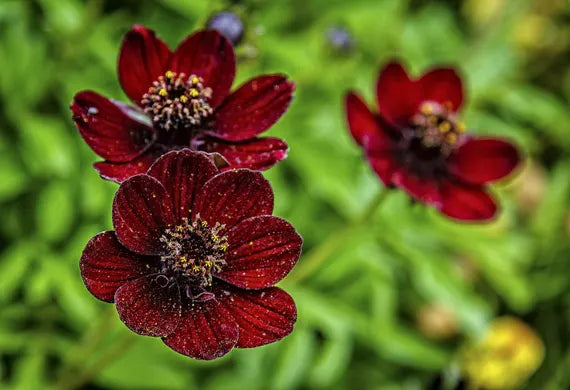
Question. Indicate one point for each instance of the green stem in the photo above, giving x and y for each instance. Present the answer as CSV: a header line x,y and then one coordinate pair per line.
x,y
110,355
68,377
311,262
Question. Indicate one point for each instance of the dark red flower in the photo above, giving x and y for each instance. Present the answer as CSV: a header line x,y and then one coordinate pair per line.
x,y
183,101
417,143
194,257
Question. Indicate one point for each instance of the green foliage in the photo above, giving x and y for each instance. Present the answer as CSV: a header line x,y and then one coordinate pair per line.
x,y
357,323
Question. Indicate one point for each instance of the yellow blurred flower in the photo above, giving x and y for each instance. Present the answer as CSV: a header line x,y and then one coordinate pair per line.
x,y
505,358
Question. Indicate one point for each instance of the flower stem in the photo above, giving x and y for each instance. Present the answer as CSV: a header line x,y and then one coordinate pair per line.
x,y
68,377
319,254
110,355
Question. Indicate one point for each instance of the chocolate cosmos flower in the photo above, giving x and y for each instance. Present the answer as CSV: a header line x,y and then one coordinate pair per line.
x,y
418,144
183,101
194,257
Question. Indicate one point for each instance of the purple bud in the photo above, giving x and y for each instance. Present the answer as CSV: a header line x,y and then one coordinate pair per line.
x,y
228,24
340,39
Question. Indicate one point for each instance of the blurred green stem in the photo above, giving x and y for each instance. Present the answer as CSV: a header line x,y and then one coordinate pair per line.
x,y
70,378
78,380
311,262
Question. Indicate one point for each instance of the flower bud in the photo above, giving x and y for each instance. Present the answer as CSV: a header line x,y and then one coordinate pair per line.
x,y
340,39
436,321
228,24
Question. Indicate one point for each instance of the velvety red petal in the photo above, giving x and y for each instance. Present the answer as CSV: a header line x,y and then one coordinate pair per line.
x,y
364,125
466,203
423,189
398,96
143,58
262,250
233,196
209,55
207,330
384,166
253,108
142,210
106,265
107,129
119,172
263,316
183,173
149,306
258,154
442,85
482,160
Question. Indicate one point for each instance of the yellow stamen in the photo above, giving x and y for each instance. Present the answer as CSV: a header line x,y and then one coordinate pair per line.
x,y
194,92
426,109
169,74
162,92
195,80
183,99
451,138
444,127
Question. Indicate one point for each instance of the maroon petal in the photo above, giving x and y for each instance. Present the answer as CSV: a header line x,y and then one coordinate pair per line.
x,y
149,306
398,96
423,189
107,129
207,330
209,55
119,172
253,108
466,203
263,316
142,210
258,154
364,125
384,166
262,250
442,85
106,265
183,174
142,60
480,160
233,196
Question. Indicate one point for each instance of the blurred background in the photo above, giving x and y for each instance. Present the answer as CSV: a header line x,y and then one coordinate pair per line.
x,y
401,298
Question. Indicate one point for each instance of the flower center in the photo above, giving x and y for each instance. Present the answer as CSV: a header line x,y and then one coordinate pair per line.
x,y
437,127
176,102
196,251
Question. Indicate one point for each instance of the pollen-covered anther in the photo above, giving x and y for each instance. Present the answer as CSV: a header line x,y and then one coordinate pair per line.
x,y
437,126
195,251
176,102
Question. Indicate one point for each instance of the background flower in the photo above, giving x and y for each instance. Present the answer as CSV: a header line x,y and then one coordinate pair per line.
x,y
418,143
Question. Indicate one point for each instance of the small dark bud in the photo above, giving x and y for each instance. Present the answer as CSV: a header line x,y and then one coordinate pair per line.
x,y
228,24
340,39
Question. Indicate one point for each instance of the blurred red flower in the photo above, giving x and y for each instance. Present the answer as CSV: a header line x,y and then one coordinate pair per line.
x,y
194,257
417,143
183,100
